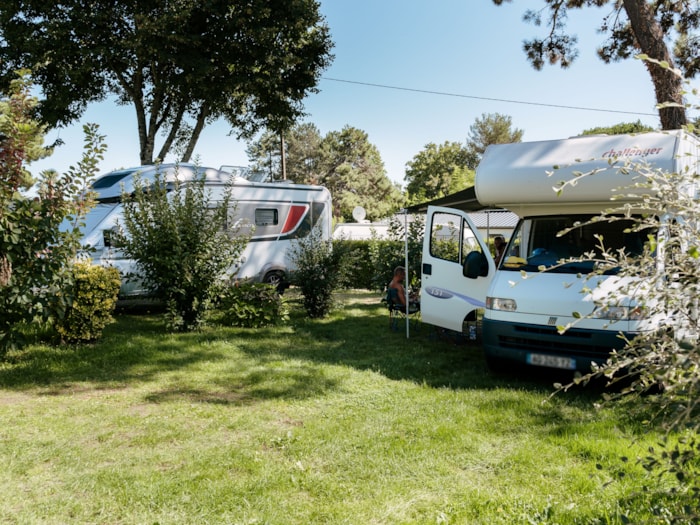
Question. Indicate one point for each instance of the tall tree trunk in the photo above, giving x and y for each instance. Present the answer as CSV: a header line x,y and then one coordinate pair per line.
x,y
134,87
196,132
650,38
174,128
158,112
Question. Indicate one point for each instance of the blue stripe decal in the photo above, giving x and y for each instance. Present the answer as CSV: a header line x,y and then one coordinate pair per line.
x,y
441,293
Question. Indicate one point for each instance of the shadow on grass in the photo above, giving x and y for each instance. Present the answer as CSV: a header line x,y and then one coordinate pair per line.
x,y
133,349
359,336
277,362
138,350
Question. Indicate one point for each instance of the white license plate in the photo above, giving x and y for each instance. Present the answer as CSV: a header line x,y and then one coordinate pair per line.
x,y
551,361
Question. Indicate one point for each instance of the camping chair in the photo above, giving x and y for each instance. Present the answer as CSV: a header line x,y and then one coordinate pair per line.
x,y
397,311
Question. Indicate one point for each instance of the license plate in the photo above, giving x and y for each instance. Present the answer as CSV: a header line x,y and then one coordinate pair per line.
x,y
551,361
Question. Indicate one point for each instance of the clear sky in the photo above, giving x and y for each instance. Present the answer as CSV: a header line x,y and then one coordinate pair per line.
x,y
444,63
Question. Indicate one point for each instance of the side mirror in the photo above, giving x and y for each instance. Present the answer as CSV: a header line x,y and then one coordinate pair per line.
x,y
475,265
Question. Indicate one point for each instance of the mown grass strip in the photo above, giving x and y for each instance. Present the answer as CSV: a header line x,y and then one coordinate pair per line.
x,y
330,421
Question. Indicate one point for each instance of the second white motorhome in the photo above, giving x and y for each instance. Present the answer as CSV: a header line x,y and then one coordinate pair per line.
x,y
522,305
275,214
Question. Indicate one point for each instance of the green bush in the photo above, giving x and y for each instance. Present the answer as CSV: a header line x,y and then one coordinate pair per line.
x,y
40,229
388,254
359,268
94,296
320,270
385,256
180,236
369,264
251,305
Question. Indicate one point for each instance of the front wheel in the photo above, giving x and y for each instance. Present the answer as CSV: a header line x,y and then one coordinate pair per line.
x,y
498,366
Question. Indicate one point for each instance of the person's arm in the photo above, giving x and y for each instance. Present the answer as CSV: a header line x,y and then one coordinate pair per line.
x,y
400,294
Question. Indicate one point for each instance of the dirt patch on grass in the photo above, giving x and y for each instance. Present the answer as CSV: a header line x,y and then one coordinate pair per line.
x,y
14,398
359,297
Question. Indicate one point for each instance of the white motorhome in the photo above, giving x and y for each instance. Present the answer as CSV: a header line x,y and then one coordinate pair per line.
x,y
523,306
273,213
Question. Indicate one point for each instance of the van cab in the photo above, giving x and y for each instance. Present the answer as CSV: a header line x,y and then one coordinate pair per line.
x,y
544,282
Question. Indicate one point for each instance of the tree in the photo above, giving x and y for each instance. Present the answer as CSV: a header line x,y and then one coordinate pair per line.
x,y
302,152
343,161
633,27
39,227
659,369
352,169
180,64
181,243
619,129
492,128
437,171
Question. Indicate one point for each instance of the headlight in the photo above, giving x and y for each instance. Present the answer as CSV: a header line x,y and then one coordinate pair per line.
x,y
499,303
620,313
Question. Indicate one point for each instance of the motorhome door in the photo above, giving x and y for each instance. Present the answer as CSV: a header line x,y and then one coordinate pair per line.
x,y
452,248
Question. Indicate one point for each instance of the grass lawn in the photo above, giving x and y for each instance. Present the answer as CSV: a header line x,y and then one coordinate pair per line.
x,y
334,421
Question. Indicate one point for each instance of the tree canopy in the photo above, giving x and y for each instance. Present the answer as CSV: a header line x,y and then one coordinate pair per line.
x,y
632,27
302,147
436,171
180,64
440,170
618,129
343,161
491,128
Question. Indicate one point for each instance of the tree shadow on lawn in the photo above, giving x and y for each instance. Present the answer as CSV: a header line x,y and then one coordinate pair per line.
x,y
138,350
134,349
359,336
280,362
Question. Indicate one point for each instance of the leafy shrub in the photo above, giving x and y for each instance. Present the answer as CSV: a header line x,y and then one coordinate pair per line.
x,y
93,299
358,262
251,305
385,256
319,272
39,232
181,243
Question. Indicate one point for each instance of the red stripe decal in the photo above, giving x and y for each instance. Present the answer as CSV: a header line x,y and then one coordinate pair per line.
x,y
296,214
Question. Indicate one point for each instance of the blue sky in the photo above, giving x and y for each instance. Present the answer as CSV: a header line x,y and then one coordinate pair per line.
x,y
470,49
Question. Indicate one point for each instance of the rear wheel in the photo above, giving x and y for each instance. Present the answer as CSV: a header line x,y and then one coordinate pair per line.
x,y
276,278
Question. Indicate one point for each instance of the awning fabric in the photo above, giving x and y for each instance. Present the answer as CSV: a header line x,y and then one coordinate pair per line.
x,y
464,200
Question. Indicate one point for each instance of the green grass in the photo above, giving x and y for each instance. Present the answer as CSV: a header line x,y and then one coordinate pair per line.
x,y
335,421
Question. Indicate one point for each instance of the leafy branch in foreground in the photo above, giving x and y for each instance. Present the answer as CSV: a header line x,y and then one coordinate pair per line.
x,y
39,219
659,368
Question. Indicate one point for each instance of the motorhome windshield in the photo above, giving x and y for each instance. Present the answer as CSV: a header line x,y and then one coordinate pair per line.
x,y
109,180
569,244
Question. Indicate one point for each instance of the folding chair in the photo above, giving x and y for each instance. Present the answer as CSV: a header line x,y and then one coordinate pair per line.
x,y
397,311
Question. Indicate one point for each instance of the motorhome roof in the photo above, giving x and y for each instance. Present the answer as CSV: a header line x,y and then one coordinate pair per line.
x,y
526,173
111,185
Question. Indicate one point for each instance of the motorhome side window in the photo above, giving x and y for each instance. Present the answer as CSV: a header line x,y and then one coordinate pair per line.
x,y
266,217
451,238
553,240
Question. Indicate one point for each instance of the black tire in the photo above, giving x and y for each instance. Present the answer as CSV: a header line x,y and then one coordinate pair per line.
x,y
498,366
277,279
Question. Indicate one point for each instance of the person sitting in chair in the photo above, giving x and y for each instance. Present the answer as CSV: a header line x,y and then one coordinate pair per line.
x,y
397,293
